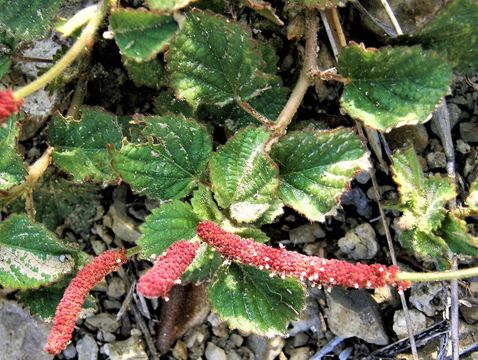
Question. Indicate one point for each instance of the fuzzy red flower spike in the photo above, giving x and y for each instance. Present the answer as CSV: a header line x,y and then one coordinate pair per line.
x,y
167,270
318,271
8,104
72,301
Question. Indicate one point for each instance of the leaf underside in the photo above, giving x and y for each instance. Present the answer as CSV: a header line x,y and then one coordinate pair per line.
x,y
12,170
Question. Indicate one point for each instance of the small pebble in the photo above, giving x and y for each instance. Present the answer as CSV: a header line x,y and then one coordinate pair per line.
x,y
214,353
116,288
180,351
87,348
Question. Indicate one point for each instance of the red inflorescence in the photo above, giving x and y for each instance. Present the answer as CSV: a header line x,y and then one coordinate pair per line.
x,y
8,104
72,301
167,269
318,271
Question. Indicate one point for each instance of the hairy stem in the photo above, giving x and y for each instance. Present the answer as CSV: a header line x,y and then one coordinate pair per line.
x,y
306,78
84,42
438,275
244,105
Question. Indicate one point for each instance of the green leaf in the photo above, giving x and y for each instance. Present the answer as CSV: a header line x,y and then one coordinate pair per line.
x,y
392,87
150,74
12,169
244,179
140,34
455,233
205,265
320,4
424,243
30,255
270,103
423,197
204,206
168,5
214,61
272,214
166,103
27,19
167,224
250,300
316,167
453,33
472,199
173,164
57,200
43,302
5,63
81,147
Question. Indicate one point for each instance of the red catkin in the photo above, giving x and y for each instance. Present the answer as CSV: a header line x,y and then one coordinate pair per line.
x,y
8,104
318,271
72,301
167,270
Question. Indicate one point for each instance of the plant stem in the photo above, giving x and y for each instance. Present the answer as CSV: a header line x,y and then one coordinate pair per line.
x,y
438,275
244,105
84,42
392,17
306,78
133,251
337,27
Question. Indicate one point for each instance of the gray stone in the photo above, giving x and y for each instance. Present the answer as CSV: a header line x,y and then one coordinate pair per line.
x,y
418,320
428,297
360,242
306,233
462,147
21,335
436,160
180,351
129,349
233,355
265,348
70,352
214,352
416,134
469,132
116,288
357,198
105,322
302,353
236,340
87,348
309,319
469,310
355,313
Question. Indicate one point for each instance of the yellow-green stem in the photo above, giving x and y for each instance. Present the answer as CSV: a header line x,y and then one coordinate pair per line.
x,y
135,250
437,276
84,42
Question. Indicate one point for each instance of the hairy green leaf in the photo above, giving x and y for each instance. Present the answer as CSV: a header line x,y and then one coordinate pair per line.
x,y
205,265
173,164
392,87
472,199
150,74
140,34
424,243
270,103
167,224
5,63
27,19
423,197
30,255
243,177
250,300
316,167
214,61
44,301
166,103
81,147
453,33
204,206
455,233
12,169
168,5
